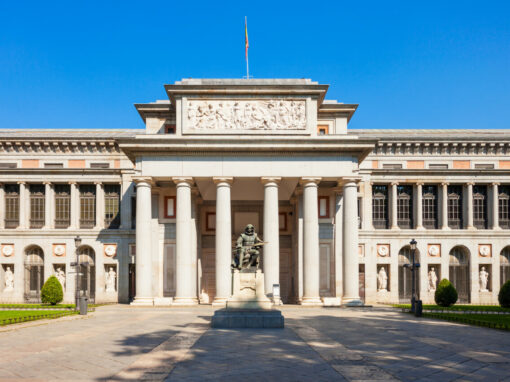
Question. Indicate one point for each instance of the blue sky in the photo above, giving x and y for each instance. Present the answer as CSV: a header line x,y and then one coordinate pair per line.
x,y
434,64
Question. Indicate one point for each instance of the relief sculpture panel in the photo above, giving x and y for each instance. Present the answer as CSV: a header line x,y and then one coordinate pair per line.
x,y
231,115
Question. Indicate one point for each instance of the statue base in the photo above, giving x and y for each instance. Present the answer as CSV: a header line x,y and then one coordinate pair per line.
x,y
249,306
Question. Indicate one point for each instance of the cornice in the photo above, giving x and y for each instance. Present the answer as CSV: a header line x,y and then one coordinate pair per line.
x,y
441,148
58,146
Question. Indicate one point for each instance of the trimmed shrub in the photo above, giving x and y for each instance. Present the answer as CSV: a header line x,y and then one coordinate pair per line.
x,y
504,295
51,292
446,294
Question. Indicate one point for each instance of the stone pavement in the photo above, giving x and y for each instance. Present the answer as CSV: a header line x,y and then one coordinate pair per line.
x,y
329,344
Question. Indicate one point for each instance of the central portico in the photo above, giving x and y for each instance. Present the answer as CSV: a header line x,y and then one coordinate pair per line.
x,y
223,153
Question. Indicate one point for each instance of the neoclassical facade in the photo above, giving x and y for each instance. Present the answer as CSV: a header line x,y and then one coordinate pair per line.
x,y
157,210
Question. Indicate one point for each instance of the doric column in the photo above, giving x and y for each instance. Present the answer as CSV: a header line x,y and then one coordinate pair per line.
x,y
75,207
2,206
23,205
300,249
495,206
271,235
444,206
339,216
48,193
311,259
143,243
394,213
223,241
185,284
469,208
419,206
99,205
350,245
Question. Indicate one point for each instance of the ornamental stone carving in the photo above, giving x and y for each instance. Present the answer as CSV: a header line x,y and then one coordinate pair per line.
x,y
484,250
270,114
434,250
9,280
484,279
7,250
59,249
432,280
383,250
110,250
382,280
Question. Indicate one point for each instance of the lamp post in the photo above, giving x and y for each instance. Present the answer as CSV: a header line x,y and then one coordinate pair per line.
x,y
416,304
77,243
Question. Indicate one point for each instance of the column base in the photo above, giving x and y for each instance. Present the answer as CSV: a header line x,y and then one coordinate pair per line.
x,y
184,301
446,228
420,228
220,302
143,301
311,301
471,228
352,301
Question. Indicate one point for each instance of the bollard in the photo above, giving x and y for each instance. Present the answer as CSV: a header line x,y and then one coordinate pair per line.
x,y
83,305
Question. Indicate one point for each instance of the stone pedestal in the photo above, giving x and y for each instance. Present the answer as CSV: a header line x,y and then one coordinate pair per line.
x,y
249,306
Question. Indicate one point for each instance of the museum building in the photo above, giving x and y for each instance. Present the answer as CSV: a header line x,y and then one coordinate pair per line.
x,y
153,215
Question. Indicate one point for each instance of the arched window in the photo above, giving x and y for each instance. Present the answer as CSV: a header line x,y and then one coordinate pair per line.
x,y
504,265
459,273
34,273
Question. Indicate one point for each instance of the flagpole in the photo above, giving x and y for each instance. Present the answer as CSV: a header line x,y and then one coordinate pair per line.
x,y
246,46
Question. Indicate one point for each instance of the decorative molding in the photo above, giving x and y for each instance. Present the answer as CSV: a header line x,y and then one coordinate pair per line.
x,y
383,250
443,148
7,249
59,249
110,250
485,250
434,250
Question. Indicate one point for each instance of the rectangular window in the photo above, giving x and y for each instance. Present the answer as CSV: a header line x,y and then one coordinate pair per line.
x,y
438,166
504,207
11,205
8,165
480,207
455,207
405,206
37,200
100,165
429,206
133,211
87,205
484,166
169,207
62,205
380,206
53,165
322,130
394,166
324,206
112,206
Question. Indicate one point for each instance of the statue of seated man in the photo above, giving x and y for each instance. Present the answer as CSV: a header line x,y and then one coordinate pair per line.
x,y
247,253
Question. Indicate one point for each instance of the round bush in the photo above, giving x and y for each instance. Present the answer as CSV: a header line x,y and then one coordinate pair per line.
x,y
504,295
51,292
446,294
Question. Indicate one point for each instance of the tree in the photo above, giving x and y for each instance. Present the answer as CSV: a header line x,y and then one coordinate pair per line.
x,y
51,292
504,295
446,294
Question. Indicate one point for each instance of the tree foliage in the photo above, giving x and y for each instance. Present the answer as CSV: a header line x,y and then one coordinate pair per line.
x,y
51,292
504,295
446,294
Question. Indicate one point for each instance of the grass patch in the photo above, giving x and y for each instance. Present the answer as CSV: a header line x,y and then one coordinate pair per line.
x,y
36,306
495,321
461,308
8,317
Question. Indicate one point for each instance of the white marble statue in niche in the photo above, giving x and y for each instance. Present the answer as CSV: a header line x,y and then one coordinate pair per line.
x,y
110,280
246,115
61,276
432,280
9,280
484,279
382,280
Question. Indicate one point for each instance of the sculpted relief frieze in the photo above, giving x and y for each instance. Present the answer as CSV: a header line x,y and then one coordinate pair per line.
x,y
253,115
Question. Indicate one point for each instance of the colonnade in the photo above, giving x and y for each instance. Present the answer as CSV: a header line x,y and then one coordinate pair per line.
x,y
186,262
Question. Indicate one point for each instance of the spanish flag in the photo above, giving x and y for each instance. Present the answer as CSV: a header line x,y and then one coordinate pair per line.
x,y
246,45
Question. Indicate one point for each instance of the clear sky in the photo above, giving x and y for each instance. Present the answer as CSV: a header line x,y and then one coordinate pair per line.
x,y
408,64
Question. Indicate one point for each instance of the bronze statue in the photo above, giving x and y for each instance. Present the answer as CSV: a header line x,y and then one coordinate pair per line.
x,y
246,253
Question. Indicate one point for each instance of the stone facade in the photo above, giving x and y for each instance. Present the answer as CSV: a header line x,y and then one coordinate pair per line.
x,y
158,210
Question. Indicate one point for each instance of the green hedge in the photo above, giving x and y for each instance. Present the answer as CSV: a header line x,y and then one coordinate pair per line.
x,y
494,321
459,308
504,295
14,317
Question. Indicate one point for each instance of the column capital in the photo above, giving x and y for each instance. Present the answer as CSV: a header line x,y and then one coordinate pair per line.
x,y
142,181
183,179
47,182
495,184
445,183
470,183
394,183
222,179
344,181
21,182
270,179
98,182
307,180
72,182
419,183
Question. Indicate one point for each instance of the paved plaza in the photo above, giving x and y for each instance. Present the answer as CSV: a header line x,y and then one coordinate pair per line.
x,y
330,344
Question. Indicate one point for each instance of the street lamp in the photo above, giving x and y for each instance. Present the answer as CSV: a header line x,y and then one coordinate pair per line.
x,y
77,243
416,304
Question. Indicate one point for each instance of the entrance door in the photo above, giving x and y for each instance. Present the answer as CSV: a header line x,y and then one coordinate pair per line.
x,y
405,277
87,271
34,274
132,282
